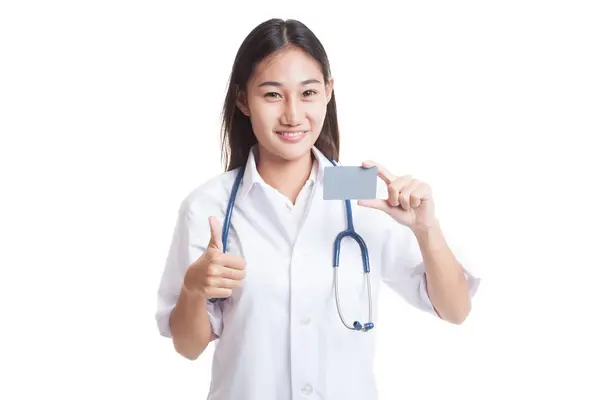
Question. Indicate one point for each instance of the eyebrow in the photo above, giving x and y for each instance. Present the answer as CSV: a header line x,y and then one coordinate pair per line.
x,y
279,84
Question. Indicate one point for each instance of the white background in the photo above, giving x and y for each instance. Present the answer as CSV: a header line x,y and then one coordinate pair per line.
x,y
109,117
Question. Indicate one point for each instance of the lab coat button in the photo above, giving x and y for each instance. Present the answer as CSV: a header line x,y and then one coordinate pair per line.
x,y
305,321
307,389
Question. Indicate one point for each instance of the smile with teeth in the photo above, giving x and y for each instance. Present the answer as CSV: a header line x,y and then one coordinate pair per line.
x,y
292,134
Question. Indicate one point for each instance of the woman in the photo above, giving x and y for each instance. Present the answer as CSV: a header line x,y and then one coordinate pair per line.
x,y
277,321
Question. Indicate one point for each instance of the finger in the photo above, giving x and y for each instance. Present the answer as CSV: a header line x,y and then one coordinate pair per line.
x,y
375,203
217,293
215,234
222,283
408,187
420,194
382,172
414,199
393,194
395,190
230,260
226,272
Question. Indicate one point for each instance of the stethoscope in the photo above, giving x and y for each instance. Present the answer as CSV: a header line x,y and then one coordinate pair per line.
x,y
350,232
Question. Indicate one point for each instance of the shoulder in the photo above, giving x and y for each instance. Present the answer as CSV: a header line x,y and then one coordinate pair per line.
x,y
210,197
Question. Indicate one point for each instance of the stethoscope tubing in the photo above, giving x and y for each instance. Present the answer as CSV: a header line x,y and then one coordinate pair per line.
x,y
349,232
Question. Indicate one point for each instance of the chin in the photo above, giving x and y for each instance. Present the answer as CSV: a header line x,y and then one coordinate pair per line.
x,y
289,150
295,153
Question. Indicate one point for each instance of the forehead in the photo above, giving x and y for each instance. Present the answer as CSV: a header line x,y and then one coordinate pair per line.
x,y
288,66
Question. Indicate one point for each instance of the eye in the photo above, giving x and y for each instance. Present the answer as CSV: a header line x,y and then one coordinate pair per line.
x,y
310,92
272,94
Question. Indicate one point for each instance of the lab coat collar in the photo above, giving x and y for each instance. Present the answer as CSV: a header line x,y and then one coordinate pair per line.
x,y
252,177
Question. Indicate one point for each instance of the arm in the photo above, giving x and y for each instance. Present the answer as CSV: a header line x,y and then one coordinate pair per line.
x,y
447,286
183,314
437,282
190,326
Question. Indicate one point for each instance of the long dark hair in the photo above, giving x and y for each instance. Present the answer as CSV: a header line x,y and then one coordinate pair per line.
x,y
237,136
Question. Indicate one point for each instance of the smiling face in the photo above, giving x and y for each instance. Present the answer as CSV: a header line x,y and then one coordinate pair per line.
x,y
286,101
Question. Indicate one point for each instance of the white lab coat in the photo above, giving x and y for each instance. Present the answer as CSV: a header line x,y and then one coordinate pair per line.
x,y
279,335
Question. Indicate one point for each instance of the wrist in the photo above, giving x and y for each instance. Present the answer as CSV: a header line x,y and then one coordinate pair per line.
x,y
430,238
191,290
425,230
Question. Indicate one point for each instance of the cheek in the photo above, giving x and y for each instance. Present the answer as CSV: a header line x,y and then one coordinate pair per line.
x,y
263,116
316,113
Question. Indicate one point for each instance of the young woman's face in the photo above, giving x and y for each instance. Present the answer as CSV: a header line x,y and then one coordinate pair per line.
x,y
286,101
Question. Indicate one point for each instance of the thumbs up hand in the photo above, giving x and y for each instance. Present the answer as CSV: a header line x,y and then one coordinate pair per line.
x,y
215,274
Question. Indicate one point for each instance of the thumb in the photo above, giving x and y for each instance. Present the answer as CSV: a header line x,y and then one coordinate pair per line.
x,y
215,234
378,204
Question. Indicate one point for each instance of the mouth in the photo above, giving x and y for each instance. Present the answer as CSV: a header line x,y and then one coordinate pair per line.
x,y
291,136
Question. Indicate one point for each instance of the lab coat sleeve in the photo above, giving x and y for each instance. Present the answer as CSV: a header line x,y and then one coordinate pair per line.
x,y
188,243
403,269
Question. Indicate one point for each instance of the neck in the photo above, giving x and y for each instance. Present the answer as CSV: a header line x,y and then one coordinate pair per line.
x,y
287,177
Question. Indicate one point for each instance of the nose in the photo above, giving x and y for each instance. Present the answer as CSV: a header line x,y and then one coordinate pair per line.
x,y
292,113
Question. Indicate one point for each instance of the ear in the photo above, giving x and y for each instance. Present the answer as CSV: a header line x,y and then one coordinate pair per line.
x,y
242,102
329,89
